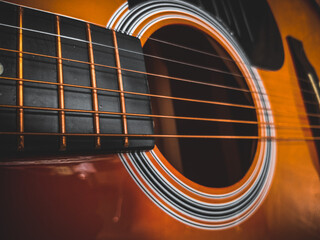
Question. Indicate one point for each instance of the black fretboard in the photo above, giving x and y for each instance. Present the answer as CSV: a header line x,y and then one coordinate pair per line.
x,y
60,88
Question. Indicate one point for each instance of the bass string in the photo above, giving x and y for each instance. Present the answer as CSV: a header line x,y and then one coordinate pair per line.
x,y
162,76
218,120
148,55
136,93
226,137
287,113
178,136
187,64
134,71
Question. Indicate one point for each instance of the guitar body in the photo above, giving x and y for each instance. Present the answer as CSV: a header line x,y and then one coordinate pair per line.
x,y
107,196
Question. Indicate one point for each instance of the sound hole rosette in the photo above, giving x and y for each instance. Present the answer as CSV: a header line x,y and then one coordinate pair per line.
x,y
187,201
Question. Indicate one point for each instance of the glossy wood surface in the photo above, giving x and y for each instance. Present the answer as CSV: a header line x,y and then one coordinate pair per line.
x,y
94,197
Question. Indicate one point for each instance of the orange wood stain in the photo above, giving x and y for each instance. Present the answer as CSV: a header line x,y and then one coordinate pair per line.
x,y
96,198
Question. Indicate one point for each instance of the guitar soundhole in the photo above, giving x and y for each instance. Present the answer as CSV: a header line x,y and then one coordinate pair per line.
x,y
206,161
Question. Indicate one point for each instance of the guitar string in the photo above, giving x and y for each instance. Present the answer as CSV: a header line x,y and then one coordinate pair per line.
x,y
260,124
146,94
97,44
221,120
157,96
173,78
151,95
138,53
205,53
166,136
94,43
154,135
88,63
191,49
158,75
140,94
228,137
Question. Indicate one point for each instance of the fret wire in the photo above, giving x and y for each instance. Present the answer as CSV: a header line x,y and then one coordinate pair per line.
x,y
62,119
120,83
278,125
107,46
161,76
94,89
290,139
20,114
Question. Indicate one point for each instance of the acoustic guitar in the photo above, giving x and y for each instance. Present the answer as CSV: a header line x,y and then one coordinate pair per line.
x,y
160,119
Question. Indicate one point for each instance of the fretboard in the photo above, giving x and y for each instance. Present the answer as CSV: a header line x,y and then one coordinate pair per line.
x,y
70,86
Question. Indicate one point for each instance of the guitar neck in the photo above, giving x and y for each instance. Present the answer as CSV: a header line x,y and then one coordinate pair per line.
x,y
68,85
